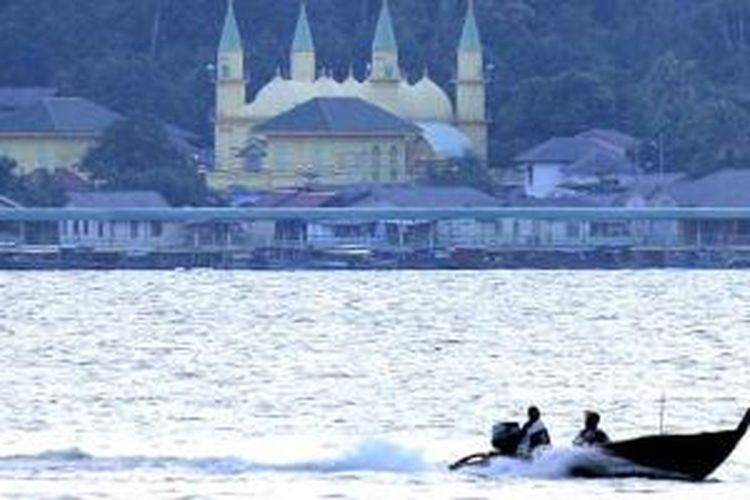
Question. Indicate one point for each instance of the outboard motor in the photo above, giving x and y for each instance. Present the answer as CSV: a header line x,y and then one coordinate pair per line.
x,y
505,437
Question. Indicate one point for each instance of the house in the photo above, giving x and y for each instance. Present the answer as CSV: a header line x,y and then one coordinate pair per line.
x,y
596,160
397,235
728,188
53,132
115,235
39,130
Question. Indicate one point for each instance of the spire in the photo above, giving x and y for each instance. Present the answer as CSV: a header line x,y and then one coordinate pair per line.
x,y
302,37
230,36
470,41
385,40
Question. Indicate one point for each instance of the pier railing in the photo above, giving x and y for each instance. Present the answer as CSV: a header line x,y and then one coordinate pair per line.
x,y
403,229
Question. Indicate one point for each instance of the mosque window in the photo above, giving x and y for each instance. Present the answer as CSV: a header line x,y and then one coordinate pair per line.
x,y
317,158
280,159
225,71
389,71
376,163
253,161
393,157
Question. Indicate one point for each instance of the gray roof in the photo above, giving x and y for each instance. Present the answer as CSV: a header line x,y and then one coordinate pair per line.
x,y
612,137
581,156
599,163
725,188
337,116
13,98
60,115
426,196
558,150
116,199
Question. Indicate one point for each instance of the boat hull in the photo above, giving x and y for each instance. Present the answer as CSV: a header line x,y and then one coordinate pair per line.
x,y
691,457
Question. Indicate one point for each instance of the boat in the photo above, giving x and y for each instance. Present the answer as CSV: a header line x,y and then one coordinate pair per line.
x,y
690,457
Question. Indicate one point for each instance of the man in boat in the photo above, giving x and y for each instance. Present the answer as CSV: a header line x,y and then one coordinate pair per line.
x,y
533,433
591,435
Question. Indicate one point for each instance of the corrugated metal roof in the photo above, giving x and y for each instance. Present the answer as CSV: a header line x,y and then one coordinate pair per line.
x,y
59,114
426,196
337,116
446,140
558,150
116,199
726,188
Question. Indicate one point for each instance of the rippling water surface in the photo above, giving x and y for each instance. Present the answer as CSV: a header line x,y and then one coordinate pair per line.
x,y
356,384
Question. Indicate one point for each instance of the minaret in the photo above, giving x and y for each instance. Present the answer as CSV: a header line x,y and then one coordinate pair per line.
x,y
384,76
303,49
230,133
384,48
470,86
230,81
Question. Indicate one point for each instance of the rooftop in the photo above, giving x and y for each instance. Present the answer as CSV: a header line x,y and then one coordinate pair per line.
x,y
59,114
337,116
116,199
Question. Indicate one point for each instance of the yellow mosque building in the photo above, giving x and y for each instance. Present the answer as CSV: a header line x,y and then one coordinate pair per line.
x,y
308,127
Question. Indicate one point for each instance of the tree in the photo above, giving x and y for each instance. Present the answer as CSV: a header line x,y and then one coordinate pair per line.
x,y
10,184
137,154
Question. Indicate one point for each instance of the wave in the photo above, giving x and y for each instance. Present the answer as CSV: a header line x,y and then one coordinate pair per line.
x,y
374,455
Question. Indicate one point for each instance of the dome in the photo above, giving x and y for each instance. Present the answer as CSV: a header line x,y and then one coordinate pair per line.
x,y
328,87
430,102
278,96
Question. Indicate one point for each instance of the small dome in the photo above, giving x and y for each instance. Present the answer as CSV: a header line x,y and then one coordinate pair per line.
x,y
328,87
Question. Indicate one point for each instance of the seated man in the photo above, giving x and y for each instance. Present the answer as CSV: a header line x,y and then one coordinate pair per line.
x,y
533,433
591,435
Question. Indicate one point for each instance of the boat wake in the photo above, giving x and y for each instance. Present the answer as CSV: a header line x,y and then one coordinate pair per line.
x,y
373,455
566,462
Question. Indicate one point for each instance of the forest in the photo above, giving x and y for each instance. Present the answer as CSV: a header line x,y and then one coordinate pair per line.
x,y
670,72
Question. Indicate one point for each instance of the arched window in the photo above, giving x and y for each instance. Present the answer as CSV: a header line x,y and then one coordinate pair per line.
x,y
225,71
376,162
393,162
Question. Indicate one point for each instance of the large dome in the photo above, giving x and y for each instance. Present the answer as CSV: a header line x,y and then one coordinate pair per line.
x,y
278,96
423,101
429,102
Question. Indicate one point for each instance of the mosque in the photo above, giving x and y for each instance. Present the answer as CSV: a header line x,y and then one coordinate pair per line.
x,y
308,127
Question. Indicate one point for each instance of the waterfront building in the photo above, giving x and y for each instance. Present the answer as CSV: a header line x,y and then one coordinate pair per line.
x,y
424,123
117,235
595,160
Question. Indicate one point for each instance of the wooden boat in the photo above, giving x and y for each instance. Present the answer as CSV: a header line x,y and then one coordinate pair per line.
x,y
687,456
691,457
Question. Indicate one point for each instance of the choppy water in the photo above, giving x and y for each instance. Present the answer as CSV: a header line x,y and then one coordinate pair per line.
x,y
356,385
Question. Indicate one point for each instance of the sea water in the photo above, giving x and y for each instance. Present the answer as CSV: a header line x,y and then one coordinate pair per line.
x,y
338,385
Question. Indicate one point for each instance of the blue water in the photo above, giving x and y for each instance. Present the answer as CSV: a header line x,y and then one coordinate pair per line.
x,y
206,384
